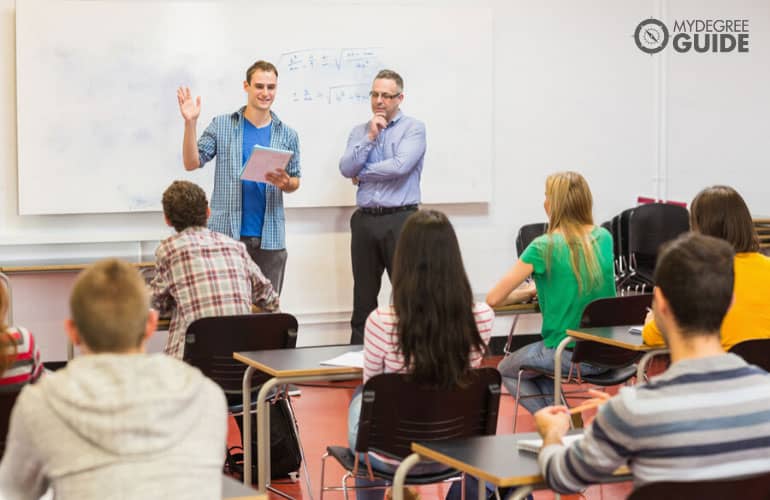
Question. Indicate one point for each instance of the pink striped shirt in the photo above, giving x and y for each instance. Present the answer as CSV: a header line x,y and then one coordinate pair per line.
x,y
381,340
26,366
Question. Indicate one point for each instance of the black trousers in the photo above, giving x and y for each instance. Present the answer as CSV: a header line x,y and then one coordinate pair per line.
x,y
372,245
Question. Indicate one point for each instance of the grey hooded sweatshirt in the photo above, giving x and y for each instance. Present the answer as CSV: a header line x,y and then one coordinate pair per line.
x,y
117,426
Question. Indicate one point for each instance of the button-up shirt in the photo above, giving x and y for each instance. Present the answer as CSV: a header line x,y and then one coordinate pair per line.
x,y
223,138
200,273
388,168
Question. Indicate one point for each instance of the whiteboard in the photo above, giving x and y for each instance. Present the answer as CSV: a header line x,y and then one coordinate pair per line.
x,y
99,129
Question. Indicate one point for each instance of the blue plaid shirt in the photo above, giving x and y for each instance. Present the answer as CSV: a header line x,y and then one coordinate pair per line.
x,y
223,138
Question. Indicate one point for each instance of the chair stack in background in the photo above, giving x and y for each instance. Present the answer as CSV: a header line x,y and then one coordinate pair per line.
x,y
762,225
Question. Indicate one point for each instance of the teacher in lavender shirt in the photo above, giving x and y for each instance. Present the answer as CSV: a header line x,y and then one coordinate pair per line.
x,y
384,157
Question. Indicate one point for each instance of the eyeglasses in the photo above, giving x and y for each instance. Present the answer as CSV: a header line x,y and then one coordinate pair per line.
x,y
387,97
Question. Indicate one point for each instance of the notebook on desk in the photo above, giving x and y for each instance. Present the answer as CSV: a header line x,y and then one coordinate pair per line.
x,y
534,445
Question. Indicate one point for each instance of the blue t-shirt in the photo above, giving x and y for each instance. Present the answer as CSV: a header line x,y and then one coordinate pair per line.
x,y
253,193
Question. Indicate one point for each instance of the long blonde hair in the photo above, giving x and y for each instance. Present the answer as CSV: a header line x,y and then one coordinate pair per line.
x,y
570,210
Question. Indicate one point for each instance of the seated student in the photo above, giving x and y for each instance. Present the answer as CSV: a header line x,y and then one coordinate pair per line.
x,y
116,422
572,264
707,417
433,329
719,211
19,353
200,272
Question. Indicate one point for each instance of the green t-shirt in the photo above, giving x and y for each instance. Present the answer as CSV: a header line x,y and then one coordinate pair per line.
x,y
557,289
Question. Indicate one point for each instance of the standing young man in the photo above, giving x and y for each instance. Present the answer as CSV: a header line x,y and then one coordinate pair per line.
x,y
246,210
384,157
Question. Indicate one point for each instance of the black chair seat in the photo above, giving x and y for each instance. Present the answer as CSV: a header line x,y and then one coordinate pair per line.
x,y
347,458
614,376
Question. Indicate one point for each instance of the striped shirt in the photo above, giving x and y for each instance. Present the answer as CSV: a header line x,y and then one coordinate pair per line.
x,y
26,366
705,418
223,138
201,273
381,353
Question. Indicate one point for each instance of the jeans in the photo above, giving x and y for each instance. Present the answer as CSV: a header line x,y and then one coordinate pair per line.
x,y
534,384
272,263
354,412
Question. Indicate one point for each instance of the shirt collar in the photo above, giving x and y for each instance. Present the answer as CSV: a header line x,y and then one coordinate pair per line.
x,y
398,116
238,115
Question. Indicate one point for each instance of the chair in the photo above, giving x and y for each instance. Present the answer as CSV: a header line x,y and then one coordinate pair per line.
x,y
755,352
7,400
210,343
649,226
524,237
609,311
744,488
397,411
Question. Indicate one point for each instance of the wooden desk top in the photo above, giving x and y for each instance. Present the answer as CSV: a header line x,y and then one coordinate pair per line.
x,y
302,361
59,265
495,459
236,490
617,336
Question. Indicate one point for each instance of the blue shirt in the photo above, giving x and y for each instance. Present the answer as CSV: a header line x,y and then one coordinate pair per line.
x,y
253,214
389,167
223,138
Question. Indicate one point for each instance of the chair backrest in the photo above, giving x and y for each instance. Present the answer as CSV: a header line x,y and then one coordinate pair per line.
x,y
210,344
651,225
755,352
396,411
611,311
527,233
746,488
7,400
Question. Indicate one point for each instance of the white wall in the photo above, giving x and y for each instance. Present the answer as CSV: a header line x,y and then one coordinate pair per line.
x,y
570,91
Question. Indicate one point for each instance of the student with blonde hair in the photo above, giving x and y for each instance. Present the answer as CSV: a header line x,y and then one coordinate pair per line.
x,y
19,354
572,264
116,422
719,211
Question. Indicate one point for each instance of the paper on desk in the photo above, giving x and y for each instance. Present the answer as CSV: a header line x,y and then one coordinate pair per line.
x,y
534,445
264,160
353,359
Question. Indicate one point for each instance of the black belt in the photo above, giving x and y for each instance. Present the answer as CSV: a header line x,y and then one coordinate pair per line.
x,y
386,210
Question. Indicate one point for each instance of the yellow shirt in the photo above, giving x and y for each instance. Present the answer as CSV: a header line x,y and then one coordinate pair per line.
x,y
749,316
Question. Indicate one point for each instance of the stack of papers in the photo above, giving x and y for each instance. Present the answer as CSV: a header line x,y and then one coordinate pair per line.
x,y
534,445
354,359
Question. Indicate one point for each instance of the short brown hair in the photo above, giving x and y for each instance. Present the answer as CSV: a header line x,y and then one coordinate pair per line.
x,y
260,65
389,74
719,211
695,274
109,305
185,205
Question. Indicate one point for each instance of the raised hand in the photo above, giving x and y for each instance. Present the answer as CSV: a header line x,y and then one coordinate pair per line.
x,y
189,107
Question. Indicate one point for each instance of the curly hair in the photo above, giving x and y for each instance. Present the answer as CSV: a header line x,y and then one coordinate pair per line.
x,y
185,205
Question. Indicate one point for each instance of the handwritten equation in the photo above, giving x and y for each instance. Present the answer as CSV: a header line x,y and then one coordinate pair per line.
x,y
330,75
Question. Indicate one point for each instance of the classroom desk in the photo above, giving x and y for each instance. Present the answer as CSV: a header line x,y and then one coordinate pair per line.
x,y
494,459
617,336
235,490
286,366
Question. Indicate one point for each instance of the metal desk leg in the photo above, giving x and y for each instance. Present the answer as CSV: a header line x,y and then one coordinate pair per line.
x,y
557,368
521,493
482,489
399,478
246,438
641,367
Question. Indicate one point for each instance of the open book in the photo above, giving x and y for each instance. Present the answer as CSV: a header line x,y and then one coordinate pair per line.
x,y
534,445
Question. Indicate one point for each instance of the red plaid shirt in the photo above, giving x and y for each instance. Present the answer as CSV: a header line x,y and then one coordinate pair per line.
x,y
201,273
26,366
